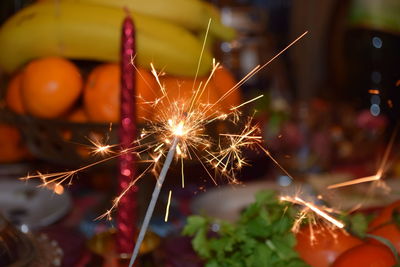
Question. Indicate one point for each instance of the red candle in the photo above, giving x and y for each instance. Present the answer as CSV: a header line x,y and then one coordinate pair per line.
x,y
127,208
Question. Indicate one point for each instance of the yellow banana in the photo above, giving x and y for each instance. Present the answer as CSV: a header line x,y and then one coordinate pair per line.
x,y
80,31
191,14
212,11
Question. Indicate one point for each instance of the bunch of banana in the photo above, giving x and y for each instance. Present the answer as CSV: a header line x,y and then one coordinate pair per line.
x,y
191,14
87,31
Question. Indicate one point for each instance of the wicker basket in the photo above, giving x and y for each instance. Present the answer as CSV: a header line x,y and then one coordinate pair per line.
x,y
61,142
68,143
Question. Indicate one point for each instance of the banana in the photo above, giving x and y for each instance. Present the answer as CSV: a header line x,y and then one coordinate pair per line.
x,y
191,14
80,31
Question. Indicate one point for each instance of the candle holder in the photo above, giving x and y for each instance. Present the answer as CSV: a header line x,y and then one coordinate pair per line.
x,y
105,253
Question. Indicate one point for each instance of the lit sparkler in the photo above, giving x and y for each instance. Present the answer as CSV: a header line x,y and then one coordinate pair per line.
x,y
178,131
185,119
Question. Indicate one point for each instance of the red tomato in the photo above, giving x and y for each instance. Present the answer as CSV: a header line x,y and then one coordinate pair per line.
x,y
328,245
390,232
385,215
366,255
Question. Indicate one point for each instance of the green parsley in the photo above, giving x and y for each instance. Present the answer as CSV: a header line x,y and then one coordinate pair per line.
x,y
261,237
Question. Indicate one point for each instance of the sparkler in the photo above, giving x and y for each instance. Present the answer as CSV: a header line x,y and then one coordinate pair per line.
x,y
153,201
177,132
381,170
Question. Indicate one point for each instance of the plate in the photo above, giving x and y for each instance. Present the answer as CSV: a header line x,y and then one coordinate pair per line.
x,y
368,196
229,201
25,203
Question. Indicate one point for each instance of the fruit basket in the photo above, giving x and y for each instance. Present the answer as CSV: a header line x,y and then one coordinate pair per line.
x,y
70,143
60,124
60,141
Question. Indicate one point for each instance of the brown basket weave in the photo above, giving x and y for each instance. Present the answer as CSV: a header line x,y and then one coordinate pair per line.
x,y
61,142
68,143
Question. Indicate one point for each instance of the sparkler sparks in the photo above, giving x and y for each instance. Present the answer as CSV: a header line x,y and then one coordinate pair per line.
x,y
178,131
181,122
230,159
308,213
381,170
314,208
100,148
168,204
184,120
366,179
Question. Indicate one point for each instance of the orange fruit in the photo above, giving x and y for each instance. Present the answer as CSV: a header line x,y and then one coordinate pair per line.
x,y
147,91
221,82
13,94
50,86
224,81
78,115
102,93
11,147
182,89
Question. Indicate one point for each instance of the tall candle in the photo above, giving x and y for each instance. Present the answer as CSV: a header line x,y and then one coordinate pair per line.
x,y
127,208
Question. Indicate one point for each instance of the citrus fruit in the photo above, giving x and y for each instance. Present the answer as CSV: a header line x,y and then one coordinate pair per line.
x,y
13,94
102,93
11,147
78,115
224,81
183,89
147,91
50,86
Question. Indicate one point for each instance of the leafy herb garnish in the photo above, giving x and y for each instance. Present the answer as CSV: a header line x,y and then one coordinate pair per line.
x,y
261,237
